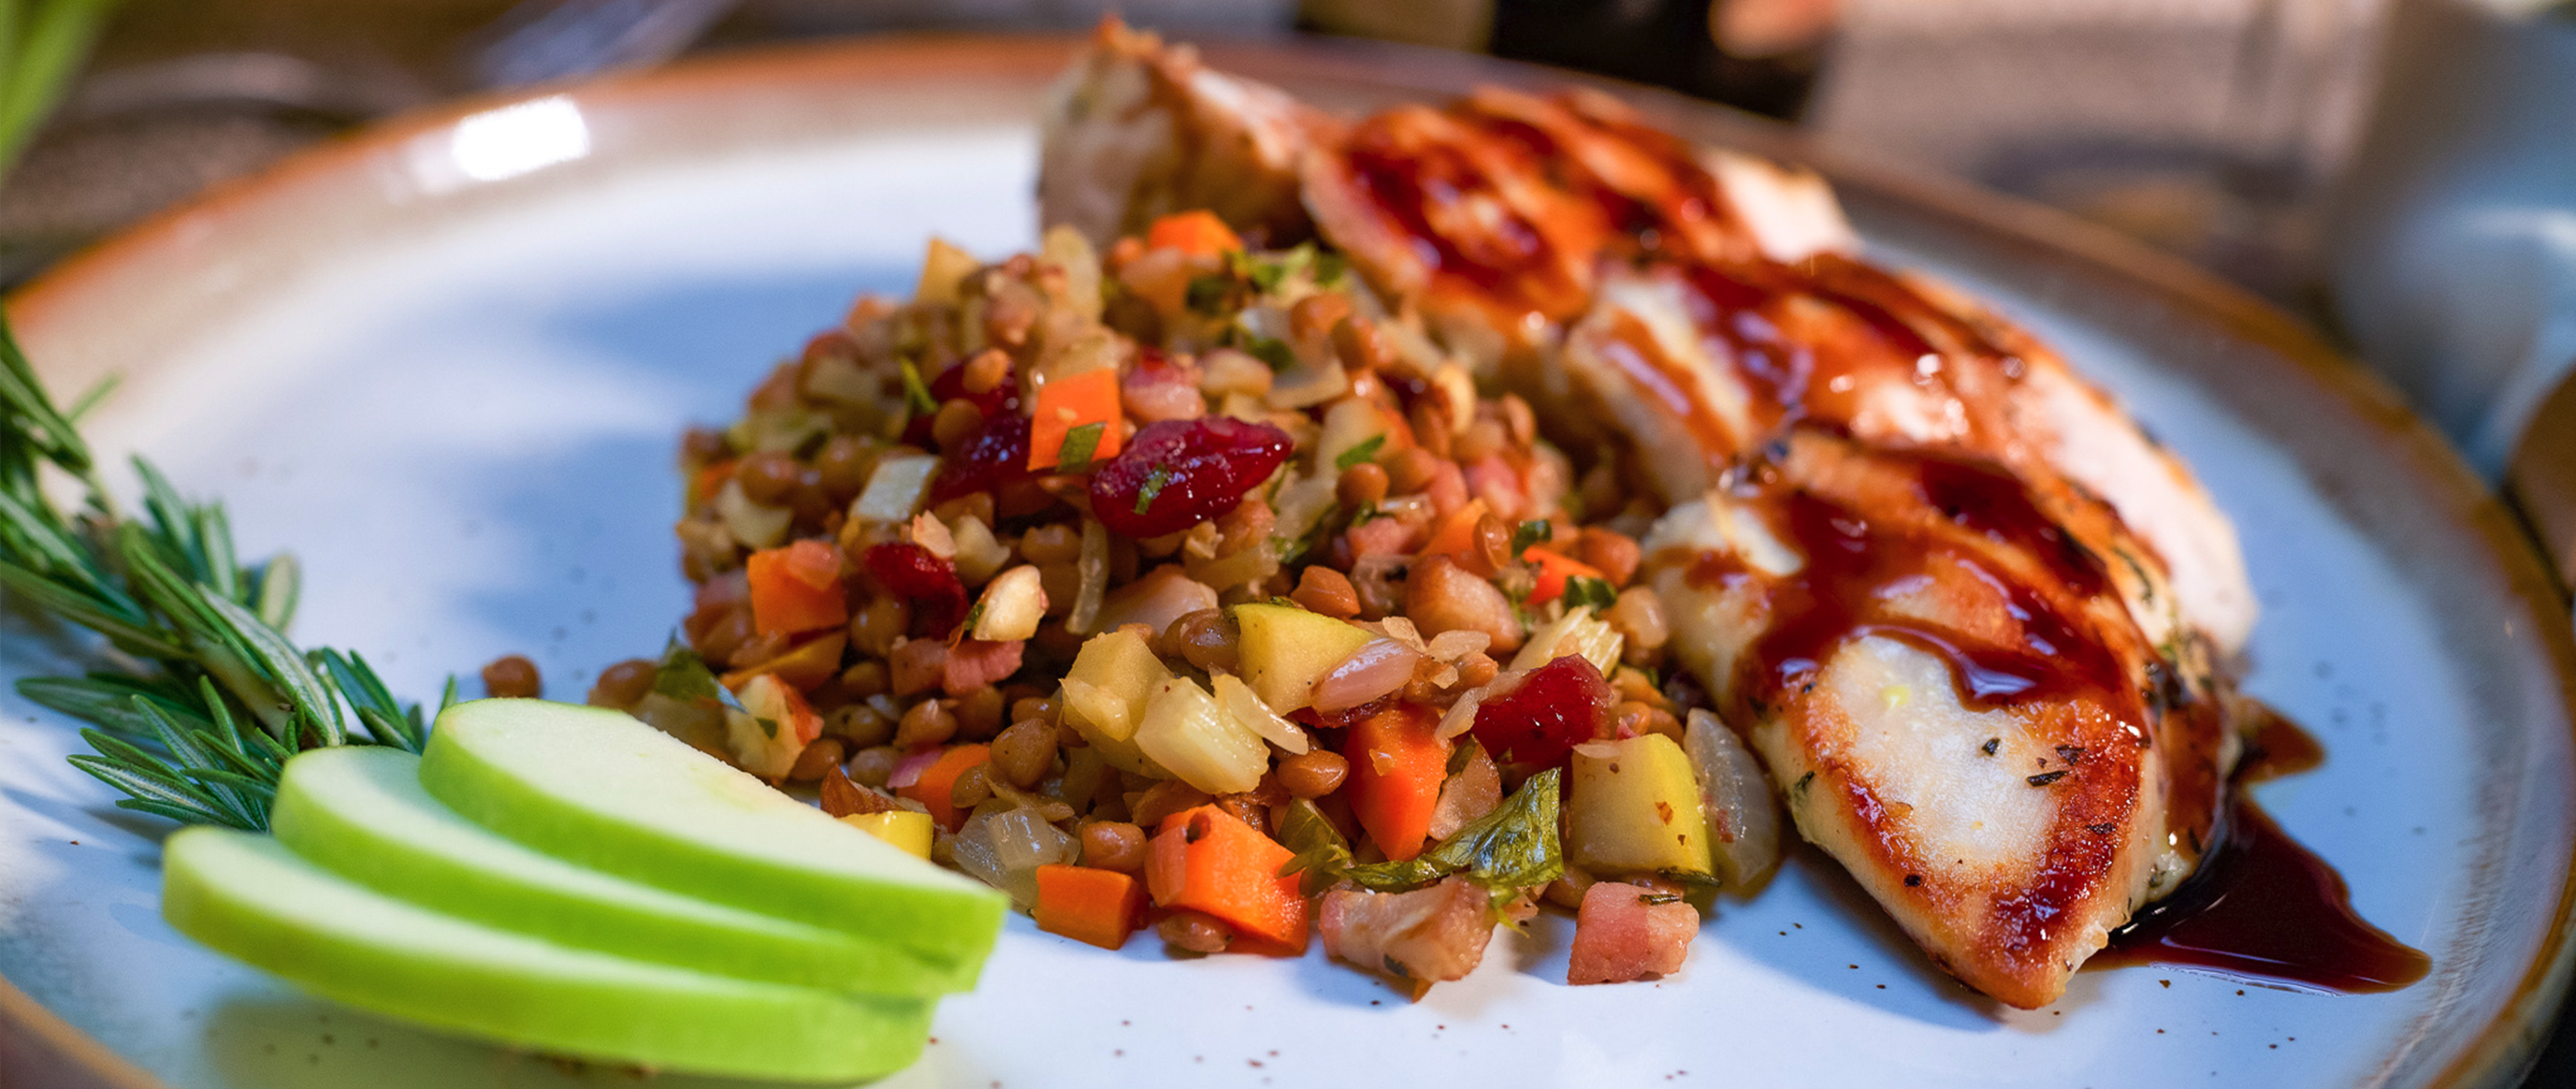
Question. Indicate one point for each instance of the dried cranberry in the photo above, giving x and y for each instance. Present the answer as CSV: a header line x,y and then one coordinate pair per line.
x,y
1178,473
1557,706
995,455
926,582
1001,400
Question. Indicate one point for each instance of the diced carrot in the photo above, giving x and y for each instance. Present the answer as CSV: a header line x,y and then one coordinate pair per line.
x,y
1069,404
1206,860
1553,569
797,588
1198,231
710,480
1397,764
1455,535
805,666
939,780
1090,905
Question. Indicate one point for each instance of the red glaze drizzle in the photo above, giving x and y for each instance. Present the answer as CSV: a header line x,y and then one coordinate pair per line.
x,y
2262,905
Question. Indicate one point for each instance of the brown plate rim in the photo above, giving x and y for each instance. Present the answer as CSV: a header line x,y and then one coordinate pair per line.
x,y
38,1045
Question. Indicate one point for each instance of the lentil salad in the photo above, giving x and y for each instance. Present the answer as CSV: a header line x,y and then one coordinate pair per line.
x,y
1186,585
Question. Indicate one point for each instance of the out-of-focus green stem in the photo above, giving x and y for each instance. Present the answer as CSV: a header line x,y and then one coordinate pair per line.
x,y
42,43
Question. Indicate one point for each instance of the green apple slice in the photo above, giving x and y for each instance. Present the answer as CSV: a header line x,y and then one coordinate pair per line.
x,y
598,788
250,897
359,811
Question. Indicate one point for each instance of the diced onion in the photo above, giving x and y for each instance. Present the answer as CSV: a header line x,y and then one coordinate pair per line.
x,y
894,490
1081,264
1307,385
1577,632
979,554
1009,846
1461,717
752,524
1254,715
1743,817
1379,667
1093,567
1161,596
1198,742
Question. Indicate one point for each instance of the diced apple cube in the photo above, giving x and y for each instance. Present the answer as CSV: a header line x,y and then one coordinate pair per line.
x,y
1284,650
1105,694
779,725
1632,807
1012,605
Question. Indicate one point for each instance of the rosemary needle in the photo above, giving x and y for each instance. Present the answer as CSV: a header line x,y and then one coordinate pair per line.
x,y
209,698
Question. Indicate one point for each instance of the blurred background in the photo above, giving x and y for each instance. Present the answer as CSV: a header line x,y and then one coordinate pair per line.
x,y
2208,127
2400,173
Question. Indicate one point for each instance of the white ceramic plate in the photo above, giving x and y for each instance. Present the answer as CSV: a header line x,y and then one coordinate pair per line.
x,y
448,362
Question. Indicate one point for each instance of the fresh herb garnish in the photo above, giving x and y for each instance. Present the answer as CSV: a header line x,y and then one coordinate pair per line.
x,y
1512,848
916,394
1534,531
1582,590
1209,294
200,725
1366,450
1078,446
1267,274
1270,350
1292,549
1154,480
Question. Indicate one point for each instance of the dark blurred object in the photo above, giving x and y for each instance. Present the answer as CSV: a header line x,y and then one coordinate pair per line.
x,y
541,41
187,93
1758,55
2208,128
2453,253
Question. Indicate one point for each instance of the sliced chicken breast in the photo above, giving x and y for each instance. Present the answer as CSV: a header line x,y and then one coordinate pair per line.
x,y
1137,129
1952,694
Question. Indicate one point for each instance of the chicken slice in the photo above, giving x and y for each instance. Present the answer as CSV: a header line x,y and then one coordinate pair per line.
x,y
1705,365
1951,692
1493,214
1136,129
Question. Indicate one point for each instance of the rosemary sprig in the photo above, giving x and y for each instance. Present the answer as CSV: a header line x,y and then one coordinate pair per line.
x,y
208,698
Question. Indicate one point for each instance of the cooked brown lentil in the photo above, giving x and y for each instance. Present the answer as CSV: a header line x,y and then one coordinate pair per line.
x,y
926,723
823,754
1313,773
513,676
1195,932
1025,752
623,684
1323,590
874,766
1113,845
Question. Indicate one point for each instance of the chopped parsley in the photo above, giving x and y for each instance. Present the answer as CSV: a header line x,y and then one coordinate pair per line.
x,y
1154,481
915,393
1210,294
1079,444
1534,531
1270,350
1581,590
1365,451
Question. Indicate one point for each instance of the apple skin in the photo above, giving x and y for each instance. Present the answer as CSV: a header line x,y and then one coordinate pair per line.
x,y
359,811
598,788
250,897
